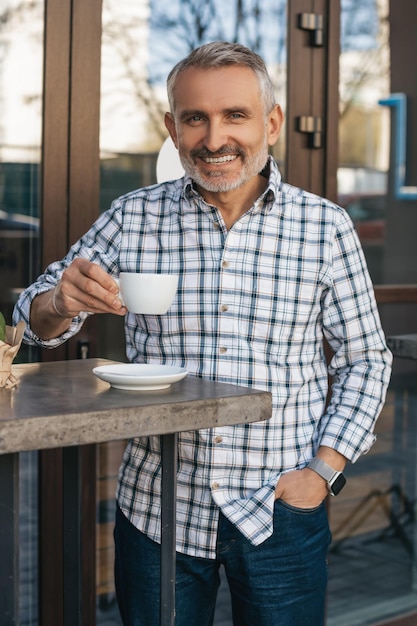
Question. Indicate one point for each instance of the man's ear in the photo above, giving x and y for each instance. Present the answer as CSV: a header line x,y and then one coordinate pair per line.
x,y
170,126
275,121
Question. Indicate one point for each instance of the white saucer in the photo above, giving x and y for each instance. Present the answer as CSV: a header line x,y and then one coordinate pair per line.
x,y
140,376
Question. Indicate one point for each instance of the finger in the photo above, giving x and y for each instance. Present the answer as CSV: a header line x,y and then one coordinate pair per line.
x,y
94,272
85,286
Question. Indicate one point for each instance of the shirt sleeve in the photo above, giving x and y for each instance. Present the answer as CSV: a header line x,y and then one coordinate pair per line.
x,y
101,245
361,364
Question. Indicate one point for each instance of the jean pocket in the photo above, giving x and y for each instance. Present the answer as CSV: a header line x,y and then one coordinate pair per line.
x,y
299,510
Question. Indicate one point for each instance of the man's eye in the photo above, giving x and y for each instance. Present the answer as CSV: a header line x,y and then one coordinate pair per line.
x,y
194,119
236,116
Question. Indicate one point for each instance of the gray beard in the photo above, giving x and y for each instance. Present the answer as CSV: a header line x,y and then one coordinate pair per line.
x,y
215,183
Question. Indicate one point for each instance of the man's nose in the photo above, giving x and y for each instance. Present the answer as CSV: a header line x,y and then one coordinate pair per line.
x,y
215,136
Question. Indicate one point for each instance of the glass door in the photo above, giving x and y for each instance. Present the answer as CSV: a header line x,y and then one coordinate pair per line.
x,y
373,521
88,160
373,554
141,42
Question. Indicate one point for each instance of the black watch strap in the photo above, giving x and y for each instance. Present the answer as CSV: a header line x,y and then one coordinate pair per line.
x,y
335,479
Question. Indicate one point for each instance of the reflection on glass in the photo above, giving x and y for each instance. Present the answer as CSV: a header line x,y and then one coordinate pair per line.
x,y
20,141
364,124
373,573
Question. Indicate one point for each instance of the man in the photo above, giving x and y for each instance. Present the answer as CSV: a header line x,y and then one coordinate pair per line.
x,y
266,270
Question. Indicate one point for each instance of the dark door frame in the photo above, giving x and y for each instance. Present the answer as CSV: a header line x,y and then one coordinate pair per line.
x,y
69,204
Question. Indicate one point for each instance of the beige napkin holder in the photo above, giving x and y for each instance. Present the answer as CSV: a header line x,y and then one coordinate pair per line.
x,y
8,350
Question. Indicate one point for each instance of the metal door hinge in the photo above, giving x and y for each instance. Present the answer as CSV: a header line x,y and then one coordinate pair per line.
x,y
313,126
313,22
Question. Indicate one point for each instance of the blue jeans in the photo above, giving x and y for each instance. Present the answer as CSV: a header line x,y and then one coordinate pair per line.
x,y
282,582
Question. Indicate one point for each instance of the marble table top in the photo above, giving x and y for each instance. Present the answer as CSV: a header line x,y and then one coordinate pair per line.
x,y
63,403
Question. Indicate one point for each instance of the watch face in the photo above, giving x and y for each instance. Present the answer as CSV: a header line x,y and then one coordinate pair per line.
x,y
338,484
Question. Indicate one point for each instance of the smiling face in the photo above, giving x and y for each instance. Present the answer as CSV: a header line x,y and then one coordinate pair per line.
x,y
220,126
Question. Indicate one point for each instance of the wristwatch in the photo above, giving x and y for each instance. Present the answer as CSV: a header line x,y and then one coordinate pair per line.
x,y
335,480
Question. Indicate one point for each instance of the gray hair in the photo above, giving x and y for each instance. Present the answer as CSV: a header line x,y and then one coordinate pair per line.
x,y
218,54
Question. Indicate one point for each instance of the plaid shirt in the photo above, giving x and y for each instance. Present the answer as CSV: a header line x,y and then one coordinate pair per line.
x,y
252,306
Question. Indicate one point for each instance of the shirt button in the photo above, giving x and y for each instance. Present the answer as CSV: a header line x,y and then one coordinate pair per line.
x,y
216,225
218,439
224,308
223,350
215,486
225,264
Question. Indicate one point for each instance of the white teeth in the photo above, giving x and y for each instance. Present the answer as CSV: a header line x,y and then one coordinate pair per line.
x,y
222,159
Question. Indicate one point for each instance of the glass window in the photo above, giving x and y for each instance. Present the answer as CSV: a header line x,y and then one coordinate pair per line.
x,y
21,32
21,60
364,124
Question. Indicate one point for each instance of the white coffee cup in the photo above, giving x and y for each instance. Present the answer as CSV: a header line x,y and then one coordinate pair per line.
x,y
148,294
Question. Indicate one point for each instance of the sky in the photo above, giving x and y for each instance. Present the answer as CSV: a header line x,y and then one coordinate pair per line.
x,y
174,28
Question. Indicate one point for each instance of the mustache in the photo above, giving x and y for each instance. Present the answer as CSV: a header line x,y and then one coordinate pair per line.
x,y
224,150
